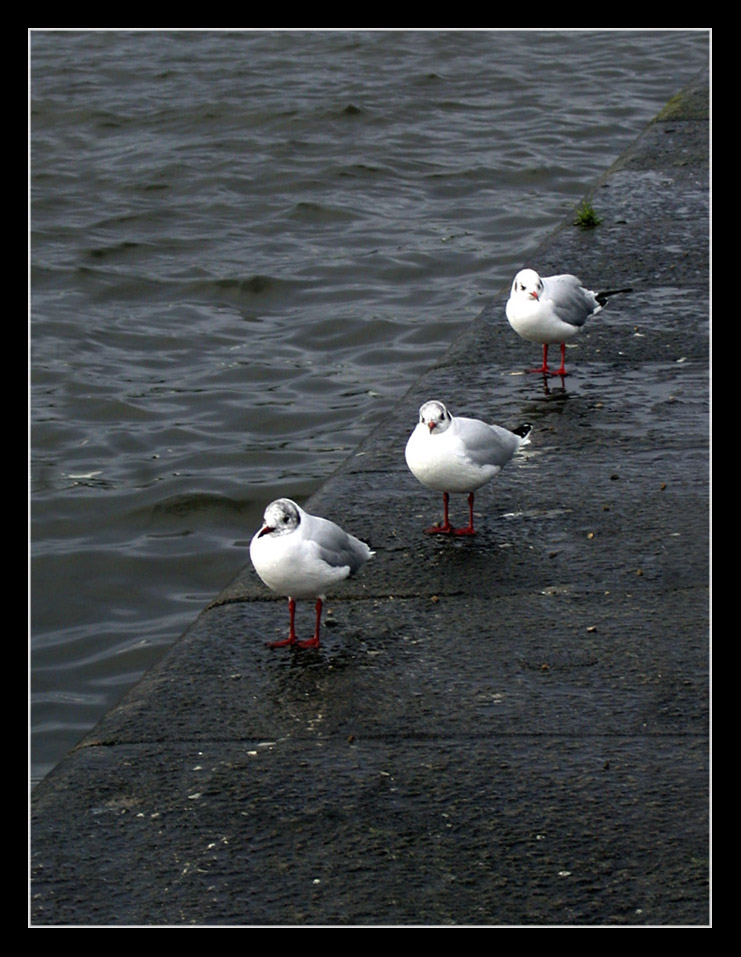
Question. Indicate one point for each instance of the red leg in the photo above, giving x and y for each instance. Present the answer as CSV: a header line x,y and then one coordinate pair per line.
x,y
291,639
446,528
562,371
314,642
469,530
544,368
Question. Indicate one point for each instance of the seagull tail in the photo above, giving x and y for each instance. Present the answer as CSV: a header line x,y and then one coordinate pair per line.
x,y
523,431
602,297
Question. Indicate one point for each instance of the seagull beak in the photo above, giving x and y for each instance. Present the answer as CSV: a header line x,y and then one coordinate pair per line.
x,y
265,531
533,295
430,426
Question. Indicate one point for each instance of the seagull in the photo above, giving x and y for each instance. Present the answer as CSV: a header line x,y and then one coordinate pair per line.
x,y
301,555
451,453
551,310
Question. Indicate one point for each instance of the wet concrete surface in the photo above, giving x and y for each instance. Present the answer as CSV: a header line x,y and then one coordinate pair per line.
x,y
505,730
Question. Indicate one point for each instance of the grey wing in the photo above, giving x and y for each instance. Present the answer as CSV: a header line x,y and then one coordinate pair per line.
x,y
337,548
571,301
488,444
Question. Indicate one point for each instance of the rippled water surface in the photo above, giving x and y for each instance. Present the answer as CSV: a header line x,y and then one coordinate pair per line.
x,y
244,248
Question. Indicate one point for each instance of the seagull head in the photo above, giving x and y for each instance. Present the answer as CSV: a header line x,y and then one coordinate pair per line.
x,y
527,283
435,416
281,517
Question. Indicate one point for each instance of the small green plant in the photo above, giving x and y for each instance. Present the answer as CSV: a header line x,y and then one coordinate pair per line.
x,y
586,216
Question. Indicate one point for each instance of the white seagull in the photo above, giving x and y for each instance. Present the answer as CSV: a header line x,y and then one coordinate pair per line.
x,y
451,453
301,555
551,310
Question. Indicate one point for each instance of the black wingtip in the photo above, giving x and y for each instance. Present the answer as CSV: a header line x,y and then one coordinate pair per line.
x,y
602,297
523,430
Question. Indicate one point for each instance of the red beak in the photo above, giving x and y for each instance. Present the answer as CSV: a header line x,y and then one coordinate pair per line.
x,y
264,531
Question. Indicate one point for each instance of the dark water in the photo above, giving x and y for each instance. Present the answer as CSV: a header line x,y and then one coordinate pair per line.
x,y
244,249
